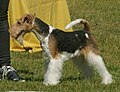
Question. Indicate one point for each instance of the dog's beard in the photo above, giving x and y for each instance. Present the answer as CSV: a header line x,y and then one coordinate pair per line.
x,y
20,38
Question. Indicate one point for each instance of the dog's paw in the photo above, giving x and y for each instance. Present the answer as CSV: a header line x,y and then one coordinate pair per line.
x,y
52,83
107,80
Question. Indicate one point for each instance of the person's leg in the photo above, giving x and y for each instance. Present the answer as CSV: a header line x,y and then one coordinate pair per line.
x,y
6,69
4,35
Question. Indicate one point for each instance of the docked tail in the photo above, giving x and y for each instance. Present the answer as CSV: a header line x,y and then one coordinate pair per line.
x,y
83,21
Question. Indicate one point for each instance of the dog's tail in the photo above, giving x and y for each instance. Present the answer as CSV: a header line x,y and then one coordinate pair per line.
x,y
83,21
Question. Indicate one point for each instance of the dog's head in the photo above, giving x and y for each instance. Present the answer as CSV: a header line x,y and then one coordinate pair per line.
x,y
21,27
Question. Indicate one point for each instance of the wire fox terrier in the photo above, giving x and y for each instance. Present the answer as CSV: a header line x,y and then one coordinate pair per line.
x,y
59,46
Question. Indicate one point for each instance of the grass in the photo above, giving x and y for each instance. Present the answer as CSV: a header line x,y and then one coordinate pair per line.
x,y
104,19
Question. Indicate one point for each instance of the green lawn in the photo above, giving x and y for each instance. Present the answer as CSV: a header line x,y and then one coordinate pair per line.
x,y
104,19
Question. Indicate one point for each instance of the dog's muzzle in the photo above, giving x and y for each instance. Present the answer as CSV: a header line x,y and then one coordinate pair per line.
x,y
20,37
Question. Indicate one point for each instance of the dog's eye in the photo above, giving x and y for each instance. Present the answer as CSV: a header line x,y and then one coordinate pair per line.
x,y
18,22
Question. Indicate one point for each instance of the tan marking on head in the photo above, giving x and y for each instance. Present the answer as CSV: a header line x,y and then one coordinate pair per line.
x,y
22,26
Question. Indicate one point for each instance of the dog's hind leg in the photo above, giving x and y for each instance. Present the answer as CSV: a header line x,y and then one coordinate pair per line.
x,y
83,65
97,62
54,72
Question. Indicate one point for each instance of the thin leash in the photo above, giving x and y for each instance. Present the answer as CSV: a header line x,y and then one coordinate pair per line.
x,y
35,8
34,11
33,23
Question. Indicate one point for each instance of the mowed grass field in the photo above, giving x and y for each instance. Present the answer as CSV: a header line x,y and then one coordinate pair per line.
x,y
104,19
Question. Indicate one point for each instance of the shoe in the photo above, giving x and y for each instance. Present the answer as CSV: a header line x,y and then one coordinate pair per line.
x,y
11,74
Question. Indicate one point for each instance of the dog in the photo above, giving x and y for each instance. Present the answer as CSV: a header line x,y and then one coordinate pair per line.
x,y
80,46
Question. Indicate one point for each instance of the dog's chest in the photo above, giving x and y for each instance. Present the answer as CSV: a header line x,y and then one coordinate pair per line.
x,y
45,46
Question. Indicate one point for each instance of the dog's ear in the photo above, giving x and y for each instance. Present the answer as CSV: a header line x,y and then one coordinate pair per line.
x,y
25,19
28,18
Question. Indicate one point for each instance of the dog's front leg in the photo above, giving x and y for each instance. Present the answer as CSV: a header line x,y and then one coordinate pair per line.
x,y
54,72
46,59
